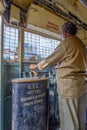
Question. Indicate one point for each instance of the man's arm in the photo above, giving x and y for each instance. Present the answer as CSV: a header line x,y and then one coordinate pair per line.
x,y
53,59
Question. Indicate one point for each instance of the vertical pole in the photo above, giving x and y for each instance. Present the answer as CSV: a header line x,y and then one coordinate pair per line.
x,y
1,86
21,50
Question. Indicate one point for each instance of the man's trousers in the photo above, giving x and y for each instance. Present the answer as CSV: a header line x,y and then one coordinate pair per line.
x,y
72,113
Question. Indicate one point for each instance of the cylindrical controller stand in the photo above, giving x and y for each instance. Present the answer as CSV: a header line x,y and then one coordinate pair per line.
x,y
30,104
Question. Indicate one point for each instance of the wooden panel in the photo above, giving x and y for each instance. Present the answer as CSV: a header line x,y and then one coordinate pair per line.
x,y
40,17
2,8
82,34
75,8
15,14
22,3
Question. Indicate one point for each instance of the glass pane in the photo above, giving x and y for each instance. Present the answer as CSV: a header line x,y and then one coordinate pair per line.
x,y
10,39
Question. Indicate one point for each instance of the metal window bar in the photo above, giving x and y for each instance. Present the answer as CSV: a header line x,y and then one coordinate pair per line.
x,y
10,40
1,78
37,47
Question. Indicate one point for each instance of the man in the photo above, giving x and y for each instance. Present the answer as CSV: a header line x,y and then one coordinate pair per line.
x,y
70,57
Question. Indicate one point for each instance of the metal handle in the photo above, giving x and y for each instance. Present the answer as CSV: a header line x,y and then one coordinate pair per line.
x,y
35,74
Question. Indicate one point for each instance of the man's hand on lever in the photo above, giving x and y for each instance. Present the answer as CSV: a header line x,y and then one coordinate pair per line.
x,y
32,68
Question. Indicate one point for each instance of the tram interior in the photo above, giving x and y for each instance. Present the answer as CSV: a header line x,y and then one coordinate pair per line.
x,y
29,31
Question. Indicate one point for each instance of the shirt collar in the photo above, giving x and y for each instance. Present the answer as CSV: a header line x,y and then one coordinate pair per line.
x,y
69,38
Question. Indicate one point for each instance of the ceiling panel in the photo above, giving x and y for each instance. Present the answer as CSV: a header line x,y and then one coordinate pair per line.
x,y
22,3
75,7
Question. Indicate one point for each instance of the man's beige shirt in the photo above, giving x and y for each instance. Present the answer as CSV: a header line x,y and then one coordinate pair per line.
x,y
70,57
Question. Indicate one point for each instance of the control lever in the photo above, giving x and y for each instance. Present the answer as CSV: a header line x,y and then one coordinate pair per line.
x,y
34,73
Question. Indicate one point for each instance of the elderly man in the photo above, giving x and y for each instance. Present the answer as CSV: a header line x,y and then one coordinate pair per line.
x,y
70,57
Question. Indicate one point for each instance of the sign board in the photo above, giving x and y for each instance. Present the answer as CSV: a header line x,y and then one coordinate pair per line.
x,y
40,17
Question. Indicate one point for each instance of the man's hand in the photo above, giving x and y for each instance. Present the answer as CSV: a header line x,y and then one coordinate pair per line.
x,y
33,66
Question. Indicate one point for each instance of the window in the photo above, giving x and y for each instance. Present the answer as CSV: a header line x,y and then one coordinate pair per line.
x,y
38,47
10,40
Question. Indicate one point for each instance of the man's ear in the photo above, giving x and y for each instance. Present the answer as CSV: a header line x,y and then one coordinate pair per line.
x,y
64,34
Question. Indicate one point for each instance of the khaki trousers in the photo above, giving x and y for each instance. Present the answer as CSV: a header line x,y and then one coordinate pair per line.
x,y
72,113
